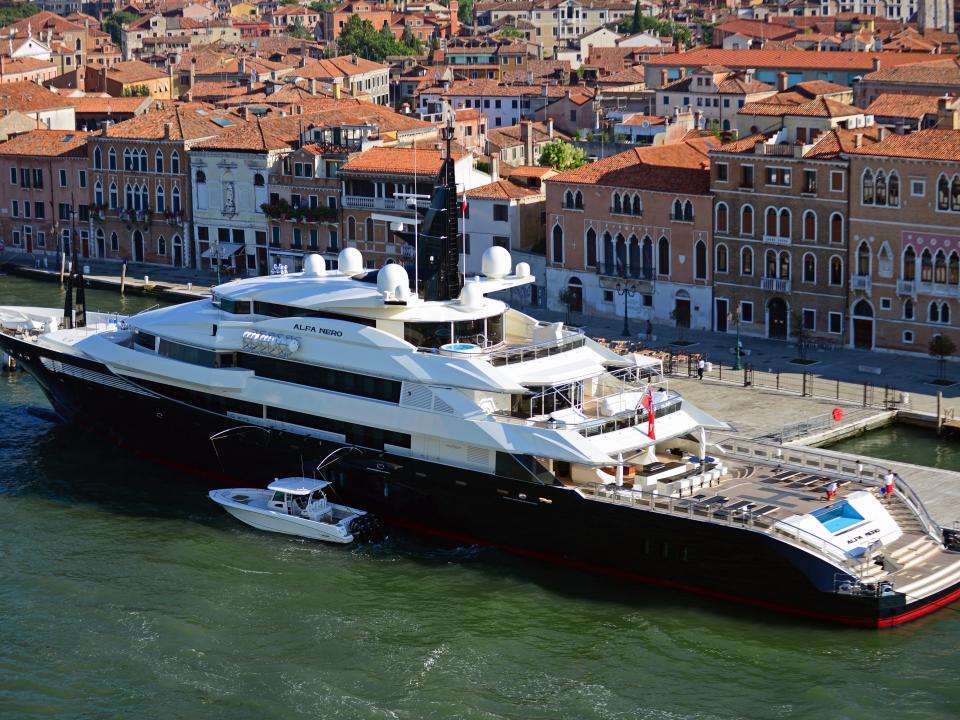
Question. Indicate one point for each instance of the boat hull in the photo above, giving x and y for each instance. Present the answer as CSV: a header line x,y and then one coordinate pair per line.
x,y
268,520
546,523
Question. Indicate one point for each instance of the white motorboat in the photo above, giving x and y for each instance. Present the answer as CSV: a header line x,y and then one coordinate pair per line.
x,y
295,506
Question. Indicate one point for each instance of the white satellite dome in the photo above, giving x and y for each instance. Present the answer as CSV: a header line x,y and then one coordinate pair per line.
x,y
314,265
496,262
471,296
391,277
522,270
350,261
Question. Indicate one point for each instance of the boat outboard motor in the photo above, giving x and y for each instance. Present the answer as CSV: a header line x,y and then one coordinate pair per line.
x,y
367,528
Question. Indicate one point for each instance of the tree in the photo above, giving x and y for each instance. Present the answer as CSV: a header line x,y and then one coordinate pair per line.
x,y
465,12
114,24
681,316
358,37
941,347
637,15
512,34
567,299
10,13
562,156
321,7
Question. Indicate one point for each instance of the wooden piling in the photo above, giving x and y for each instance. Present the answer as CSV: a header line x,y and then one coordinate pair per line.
x,y
123,277
63,266
939,411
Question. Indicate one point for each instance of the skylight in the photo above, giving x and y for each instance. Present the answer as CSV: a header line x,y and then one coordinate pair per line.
x,y
223,122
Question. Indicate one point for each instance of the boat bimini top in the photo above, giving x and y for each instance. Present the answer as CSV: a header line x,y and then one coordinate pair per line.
x,y
297,485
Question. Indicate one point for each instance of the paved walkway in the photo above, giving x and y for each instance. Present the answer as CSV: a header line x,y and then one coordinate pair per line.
x,y
910,374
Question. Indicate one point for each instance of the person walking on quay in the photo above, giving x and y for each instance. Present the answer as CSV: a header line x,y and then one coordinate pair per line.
x,y
649,330
831,490
888,484
701,366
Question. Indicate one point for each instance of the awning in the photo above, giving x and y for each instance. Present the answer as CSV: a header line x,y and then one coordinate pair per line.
x,y
222,250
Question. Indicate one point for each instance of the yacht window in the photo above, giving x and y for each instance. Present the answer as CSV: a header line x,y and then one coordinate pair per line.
x,y
277,310
495,330
187,353
364,435
145,340
427,334
235,307
333,379
469,331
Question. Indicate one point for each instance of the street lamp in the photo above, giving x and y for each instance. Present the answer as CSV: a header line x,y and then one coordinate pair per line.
x,y
735,315
627,292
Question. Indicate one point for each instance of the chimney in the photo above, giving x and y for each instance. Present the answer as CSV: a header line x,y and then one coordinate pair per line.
x,y
193,72
495,167
242,67
550,128
106,126
353,59
664,77
882,134
303,61
336,90
526,137
858,140
782,80
313,86
948,113
167,127
876,64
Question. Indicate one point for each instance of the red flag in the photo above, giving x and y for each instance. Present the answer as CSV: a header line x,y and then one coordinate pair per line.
x,y
647,403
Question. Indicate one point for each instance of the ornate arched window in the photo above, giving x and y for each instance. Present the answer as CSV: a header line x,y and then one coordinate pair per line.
x,y
98,194
114,242
771,222
568,199
863,259
784,265
746,261
591,243
700,260
953,273
688,211
351,228
784,228
621,255
114,199
909,270
557,244
893,189
97,159
663,256
908,310
608,257
933,312
158,162
161,246
617,208
943,193
880,194
578,200
175,199
143,160
940,267
636,264
129,196
770,264
867,188
112,159
955,194
926,266
175,162
836,228
127,159
636,207
945,313
161,199
677,210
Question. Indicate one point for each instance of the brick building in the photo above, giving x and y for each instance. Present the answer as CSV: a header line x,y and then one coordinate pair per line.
x,y
44,179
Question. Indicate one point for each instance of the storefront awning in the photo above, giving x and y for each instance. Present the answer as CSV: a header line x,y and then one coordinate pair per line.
x,y
222,250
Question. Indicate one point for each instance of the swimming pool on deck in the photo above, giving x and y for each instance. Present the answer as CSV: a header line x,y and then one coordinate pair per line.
x,y
838,517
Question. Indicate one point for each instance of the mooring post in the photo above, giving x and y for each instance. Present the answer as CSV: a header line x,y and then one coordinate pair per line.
x,y
123,277
939,411
803,392
63,265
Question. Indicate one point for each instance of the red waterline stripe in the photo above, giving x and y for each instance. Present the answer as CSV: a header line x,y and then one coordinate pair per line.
x,y
661,582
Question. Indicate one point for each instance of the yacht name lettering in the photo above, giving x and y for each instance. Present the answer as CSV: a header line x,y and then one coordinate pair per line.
x,y
867,534
318,330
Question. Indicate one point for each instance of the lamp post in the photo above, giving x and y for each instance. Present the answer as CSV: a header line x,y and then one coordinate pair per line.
x,y
627,292
736,319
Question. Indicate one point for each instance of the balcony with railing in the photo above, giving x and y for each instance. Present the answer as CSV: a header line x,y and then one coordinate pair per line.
x,y
771,284
907,287
861,282
614,269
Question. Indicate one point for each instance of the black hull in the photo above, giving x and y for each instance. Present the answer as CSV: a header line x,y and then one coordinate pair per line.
x,y
547,523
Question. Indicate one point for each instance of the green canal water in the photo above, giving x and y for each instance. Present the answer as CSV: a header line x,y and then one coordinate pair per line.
x,y
126,593
906,443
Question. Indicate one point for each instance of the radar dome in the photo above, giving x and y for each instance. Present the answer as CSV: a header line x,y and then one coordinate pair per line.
x,y
495,262
522,270
314,265
390,278
471,296
350,261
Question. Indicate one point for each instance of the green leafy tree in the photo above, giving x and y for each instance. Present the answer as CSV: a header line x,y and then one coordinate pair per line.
x,y
114,24
681,316
801,334
299,31
11,12
562,156
359,37
289,2
322,7
511,33
465,11
941,347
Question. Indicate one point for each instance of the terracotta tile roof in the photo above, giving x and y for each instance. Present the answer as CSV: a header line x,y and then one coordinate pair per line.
x,y
501,190
338,67
98,104
47,143
817,88
397,161
188,121
25,64
29,97
903,106
941,72
627,76
679,167
932,144
641,119
132,71
757,29
505,137
530,171
789,59
45,20
835,142
820,107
